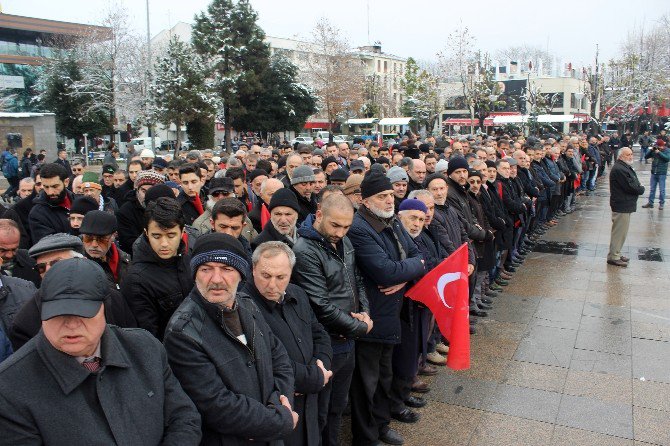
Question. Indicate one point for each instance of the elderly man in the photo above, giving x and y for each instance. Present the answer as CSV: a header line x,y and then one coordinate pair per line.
x,y
352,190
287,310
326,269
260,213
388,259
284,210
26,187
15,261
91,187
47,252
225,355
82,378
292,161
302,185
98,231
625,188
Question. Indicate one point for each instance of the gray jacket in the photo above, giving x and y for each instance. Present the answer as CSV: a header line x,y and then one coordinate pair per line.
x,y
47,397
14,293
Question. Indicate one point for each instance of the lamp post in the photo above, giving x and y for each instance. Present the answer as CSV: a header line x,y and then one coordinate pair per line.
x,y
85,149
578,98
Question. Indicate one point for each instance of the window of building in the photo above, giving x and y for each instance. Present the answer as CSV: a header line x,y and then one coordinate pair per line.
x,y
386,68
379,66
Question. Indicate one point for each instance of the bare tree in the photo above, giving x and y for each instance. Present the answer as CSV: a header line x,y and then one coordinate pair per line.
x,y
336,76
525,54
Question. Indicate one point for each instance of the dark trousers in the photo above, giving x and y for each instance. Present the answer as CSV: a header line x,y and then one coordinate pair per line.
x,y
333,397
406,356
370,392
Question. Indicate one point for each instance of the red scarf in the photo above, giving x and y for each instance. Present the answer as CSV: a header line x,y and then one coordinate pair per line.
x,y
265,215
198,204
66,202
113,262
500,189
184,238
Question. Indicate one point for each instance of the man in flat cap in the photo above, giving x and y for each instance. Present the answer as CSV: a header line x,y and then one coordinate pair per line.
x,y
98,232
226,356
88,382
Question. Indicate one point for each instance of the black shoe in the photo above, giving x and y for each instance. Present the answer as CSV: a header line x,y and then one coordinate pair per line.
x,y
473,330
490,293
511,269
415,401
391,437
486,301
483,306
406,416
478,313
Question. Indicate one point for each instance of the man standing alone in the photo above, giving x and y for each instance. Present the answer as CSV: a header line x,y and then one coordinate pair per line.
x,y
625,188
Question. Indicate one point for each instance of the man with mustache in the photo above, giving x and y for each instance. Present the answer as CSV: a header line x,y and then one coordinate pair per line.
x,y
98,232
49,214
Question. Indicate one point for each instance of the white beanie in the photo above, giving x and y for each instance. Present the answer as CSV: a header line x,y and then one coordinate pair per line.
x,y
147,153
441,166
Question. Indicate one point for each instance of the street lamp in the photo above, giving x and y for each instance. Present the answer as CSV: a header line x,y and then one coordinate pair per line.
x,y
578,98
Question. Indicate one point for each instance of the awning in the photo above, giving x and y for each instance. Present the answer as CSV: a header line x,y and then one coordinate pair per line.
x,y
509,119
317,125
394,121
361,121
555,118
467,122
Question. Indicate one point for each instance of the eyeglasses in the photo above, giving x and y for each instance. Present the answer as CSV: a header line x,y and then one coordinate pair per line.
x,y
101,239
219,193
475,182
77,169
41,268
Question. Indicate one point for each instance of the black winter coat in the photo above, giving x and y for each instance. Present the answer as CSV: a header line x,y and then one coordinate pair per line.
x,y
386,256
450,231
530,184
625,188
121,194
332,282
485,249
270,234
457,197
27,322
115,277
255,215
154,287
134,399
24,268
45,219
188,208
19,213
130,222
306,206
236,387
305,341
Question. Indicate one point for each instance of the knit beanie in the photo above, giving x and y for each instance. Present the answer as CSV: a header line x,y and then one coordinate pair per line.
x,y
156,192
302,174
413,204
396,174
327,160
441,166
434,176
374,183
148,177
90,180
284,197
219,248
257,173
457,162
83,205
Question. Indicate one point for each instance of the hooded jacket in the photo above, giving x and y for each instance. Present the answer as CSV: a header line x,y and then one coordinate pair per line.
x,y
154,287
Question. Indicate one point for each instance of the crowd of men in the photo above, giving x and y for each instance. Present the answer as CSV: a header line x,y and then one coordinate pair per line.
x,y
251,298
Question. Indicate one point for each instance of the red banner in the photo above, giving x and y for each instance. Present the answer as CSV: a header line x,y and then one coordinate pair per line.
x,y
445,291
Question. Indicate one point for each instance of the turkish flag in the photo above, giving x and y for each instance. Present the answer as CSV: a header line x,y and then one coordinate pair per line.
x,y
445,291
265,215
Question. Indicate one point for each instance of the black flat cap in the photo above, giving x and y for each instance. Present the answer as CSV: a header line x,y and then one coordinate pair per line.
x,y
98,223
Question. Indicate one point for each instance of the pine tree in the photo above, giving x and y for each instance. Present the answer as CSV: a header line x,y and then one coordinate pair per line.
x,y
179,93
232,43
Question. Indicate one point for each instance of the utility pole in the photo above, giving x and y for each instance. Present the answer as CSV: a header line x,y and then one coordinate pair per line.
x,y
596,92
148,79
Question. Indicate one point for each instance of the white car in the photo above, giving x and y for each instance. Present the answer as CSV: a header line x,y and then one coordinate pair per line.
x,y
302,140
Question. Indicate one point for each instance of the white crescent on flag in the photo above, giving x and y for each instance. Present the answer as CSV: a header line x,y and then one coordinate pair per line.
x,y
443,282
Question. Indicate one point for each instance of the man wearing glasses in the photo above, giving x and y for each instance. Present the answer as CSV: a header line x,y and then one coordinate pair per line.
x,y
219,188
98,232
47,252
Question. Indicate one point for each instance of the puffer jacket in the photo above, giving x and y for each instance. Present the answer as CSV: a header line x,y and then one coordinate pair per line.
x,y
154,287
332,282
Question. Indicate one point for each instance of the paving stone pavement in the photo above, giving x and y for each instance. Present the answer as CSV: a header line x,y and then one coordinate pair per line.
x,y
575,351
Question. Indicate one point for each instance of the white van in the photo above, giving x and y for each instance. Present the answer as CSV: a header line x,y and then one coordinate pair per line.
x,y
145,143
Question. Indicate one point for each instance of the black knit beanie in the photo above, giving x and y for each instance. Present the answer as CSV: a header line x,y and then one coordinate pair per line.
x,y
457,162
374,183
284,197
157,191
434,176
219,248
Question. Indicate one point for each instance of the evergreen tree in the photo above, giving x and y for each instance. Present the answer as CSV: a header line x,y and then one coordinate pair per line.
x,y
201,133
232,43
179,93
283,103
422,98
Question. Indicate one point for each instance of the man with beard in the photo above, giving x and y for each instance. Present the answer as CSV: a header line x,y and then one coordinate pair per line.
x,y
159,276
388,259
268,188
220,188
283,209
458,199
399,179
130,217
286,309
417,174
625,188
98,232
326,269
91,187
49,214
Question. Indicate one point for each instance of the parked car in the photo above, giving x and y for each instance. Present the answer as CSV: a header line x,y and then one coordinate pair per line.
x,y
145,143
302,140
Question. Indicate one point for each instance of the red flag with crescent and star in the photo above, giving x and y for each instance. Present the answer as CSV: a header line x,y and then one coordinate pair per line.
x,y
445,291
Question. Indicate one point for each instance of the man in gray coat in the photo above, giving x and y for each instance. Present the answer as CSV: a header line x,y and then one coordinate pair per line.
x,y
81,381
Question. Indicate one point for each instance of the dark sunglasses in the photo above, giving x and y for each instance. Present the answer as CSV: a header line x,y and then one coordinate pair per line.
x,y
219,193
102,239
41,268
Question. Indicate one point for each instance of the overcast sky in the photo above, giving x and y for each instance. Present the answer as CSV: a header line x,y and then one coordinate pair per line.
x,y
570,29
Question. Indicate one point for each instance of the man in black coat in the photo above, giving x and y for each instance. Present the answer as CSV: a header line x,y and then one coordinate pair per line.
x,y
49,214
284,210
159,277
46,252
190,199
625,189
89,382
98,232
15,261
326,270
268,188
62,160
287,311
302,185
388,259
225,355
